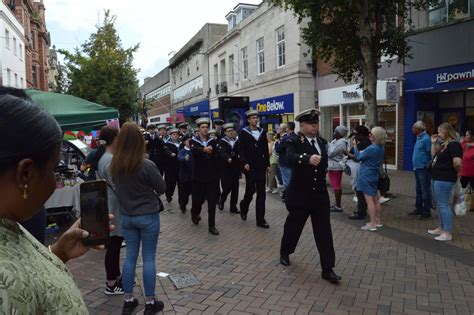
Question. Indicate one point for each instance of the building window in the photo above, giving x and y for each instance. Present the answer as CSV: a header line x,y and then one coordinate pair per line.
x,y
20,50
7,38
9,77
231,69
260,56
188,72
280,46
443,11
245,63
14,45
16,80
33,40
33,75
21,82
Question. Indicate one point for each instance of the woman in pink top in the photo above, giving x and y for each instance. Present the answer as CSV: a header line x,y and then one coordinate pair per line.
x,y
467,170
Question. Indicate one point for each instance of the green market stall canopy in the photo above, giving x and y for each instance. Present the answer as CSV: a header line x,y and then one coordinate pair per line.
x,y
73,113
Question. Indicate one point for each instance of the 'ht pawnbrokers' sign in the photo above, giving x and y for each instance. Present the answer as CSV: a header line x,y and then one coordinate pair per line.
x,y
446,77
274,105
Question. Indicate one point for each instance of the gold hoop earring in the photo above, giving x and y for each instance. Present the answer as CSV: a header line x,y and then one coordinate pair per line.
x,y
25,192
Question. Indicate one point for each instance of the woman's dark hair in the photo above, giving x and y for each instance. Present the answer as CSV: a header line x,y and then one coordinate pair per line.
x,y
106,138
129,153
30,132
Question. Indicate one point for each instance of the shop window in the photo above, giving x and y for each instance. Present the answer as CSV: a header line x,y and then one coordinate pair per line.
x,y
470,99
451,100
356,109
443,11
469,119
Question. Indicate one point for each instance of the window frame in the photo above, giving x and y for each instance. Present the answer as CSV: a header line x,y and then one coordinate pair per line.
x,y
260,56
283,44
245,63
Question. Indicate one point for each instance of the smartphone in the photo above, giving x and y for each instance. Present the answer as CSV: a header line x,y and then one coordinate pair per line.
x,y
94,212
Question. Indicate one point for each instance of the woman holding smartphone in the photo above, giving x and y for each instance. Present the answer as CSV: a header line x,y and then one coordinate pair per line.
x,y
445,167
138,183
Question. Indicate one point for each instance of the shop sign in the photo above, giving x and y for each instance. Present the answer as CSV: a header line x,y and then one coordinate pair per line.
x,y
446,77
197,109
351,95
275,105
393,92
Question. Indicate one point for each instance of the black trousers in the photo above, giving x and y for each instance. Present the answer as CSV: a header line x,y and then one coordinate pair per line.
x,y
295,222
112,258
184,191
361,203
161,166
255,182
230,184
202,192
171,179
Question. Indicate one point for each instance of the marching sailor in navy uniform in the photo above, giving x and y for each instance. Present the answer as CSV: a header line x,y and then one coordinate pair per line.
x,y
155,148
183,130
205,152
218,123
254,156
172,147
230,169
185,184
307,194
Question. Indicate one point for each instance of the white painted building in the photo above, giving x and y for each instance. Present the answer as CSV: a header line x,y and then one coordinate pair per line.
x,y
12,49
262,57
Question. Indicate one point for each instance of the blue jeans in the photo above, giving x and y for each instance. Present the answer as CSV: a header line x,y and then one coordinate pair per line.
x,y
423,191
144,228
285,175
442,193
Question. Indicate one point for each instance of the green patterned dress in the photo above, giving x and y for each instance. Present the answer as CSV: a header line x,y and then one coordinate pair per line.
x,y
33,280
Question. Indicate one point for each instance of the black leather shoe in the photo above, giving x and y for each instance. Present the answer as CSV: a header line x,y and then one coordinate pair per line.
x,y
424,217
263,225
213,231
220,205
196,219
182,208
357,216
414,212
243,215
285,260
234,210
331,276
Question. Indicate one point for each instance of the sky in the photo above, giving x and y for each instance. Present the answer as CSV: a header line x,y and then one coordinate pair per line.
x,y
159,26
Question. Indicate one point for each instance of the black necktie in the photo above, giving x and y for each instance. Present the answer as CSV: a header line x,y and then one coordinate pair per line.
x,y
313,143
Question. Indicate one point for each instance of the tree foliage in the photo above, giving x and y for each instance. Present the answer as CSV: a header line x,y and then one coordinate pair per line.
x,y
353,35
101,70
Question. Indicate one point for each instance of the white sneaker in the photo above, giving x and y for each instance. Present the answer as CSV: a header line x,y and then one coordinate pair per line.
x,y
280,186
444,237
355,199
369,228
379,225
275,191
436,231
267,189
383,200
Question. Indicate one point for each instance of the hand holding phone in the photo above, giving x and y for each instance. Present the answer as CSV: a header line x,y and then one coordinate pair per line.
x,y
94,212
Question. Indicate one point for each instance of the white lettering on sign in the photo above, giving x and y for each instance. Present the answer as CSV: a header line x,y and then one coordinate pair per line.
x,y
270,106
453,77
346,94
194,109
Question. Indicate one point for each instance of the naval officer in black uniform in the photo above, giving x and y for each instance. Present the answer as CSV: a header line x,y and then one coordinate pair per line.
x,y
172,147
230,169
307,194
155,148
254,156
205,154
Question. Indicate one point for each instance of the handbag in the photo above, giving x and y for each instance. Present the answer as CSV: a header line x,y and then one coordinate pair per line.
x,y
383,183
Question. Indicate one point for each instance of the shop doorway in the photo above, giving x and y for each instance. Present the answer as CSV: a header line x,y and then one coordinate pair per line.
x,y
356,121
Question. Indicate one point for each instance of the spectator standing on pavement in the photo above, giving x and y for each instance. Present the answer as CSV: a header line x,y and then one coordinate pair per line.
x,y
271,172
37,279
254,157
371,160
230,172
185,173
172,146
137,184
361,136
205,153
467,170
445,167
103,158
421,158
336,149
280,148
307,194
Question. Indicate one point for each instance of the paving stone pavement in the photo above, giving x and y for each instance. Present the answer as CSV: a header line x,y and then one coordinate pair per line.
x,y
386,272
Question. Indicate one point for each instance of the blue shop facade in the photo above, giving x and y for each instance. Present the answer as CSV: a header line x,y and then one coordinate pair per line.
x,y
435,96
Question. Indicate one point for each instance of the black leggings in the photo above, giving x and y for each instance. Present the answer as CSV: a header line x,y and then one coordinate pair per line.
x,y
112,258
465,180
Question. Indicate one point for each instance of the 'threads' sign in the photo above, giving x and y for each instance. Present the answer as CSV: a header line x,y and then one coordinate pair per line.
x,y
274,105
